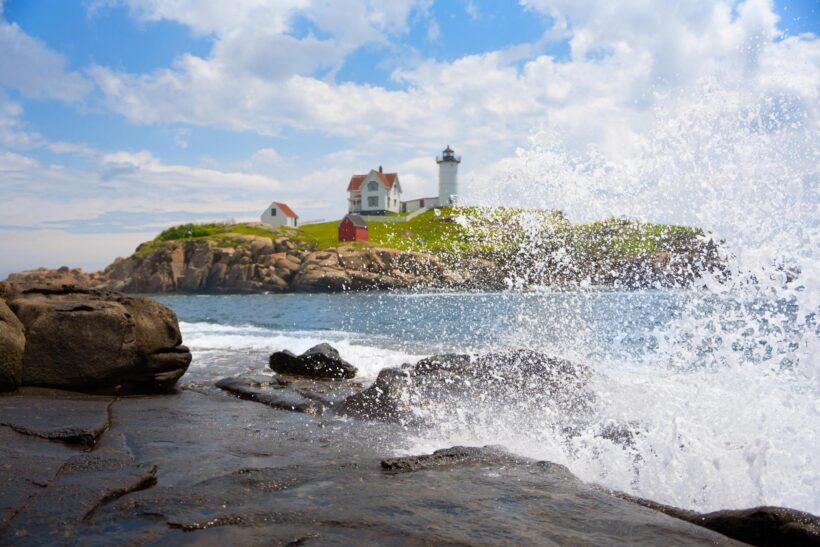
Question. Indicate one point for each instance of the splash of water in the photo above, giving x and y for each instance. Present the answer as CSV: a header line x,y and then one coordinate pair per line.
x,y
724,411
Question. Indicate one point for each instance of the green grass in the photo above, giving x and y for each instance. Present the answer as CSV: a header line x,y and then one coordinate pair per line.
x,y
222,233
621,238
459,231
464,231
321,235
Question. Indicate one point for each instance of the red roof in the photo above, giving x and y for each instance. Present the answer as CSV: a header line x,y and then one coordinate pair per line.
x,y
388,179
285,209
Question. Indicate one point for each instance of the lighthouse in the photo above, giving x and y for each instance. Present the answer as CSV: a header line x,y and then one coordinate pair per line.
x,y
448,177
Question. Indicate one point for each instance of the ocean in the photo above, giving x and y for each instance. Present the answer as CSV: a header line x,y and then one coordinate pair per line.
x,y
715,420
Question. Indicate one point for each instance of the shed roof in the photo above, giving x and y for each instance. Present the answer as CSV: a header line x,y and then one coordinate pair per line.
x,y
285,209
357,220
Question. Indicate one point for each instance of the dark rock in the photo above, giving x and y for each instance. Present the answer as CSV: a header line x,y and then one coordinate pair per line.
x,y
321,361
236,473
455,456
99,341
441,387
12,343
269,392
56,415
383,400
763,526
27,464
83,484
450,362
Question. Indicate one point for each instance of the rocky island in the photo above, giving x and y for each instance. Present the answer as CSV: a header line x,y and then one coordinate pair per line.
x,y
448,248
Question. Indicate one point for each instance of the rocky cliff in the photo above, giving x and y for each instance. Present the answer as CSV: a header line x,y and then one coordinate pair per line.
x,y
255,264
263,265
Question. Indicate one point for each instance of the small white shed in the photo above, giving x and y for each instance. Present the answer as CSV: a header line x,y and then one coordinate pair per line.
x,y
279,214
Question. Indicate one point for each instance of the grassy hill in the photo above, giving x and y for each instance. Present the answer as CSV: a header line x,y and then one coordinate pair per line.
x,y
465,231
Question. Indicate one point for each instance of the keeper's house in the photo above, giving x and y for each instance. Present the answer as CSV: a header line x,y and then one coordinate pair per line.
x,y
376,193
279,214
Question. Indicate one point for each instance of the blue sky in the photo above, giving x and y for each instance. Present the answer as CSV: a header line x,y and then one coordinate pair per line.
x,y
121,117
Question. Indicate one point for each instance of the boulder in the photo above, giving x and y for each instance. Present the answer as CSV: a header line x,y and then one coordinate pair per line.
x,y
99,341
12,343
321,361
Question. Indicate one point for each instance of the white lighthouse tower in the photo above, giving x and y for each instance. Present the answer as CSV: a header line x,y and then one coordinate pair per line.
x,y
448,177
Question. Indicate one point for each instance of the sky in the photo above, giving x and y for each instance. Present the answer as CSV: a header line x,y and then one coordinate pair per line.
x,y
119,118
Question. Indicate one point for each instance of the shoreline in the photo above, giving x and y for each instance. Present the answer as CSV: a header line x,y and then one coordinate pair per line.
x,y
305,453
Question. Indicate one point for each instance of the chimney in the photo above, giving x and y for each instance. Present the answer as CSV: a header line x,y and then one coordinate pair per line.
x,y
380,169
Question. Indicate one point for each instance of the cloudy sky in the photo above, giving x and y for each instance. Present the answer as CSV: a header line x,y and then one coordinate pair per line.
x,y
121,117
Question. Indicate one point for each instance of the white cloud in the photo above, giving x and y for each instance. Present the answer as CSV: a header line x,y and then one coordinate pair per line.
x,y
29,66
433,31
12,132
471,9
35,195
15,135
603,96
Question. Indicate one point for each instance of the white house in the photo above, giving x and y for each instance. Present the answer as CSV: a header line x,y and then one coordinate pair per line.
x,y
375,193
279,214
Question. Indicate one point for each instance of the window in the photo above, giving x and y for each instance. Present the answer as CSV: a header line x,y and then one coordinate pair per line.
x,y
273,212
373,186
421,203
372,201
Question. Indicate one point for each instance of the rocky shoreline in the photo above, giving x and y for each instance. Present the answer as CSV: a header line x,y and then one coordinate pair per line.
x,y
265,265
294,456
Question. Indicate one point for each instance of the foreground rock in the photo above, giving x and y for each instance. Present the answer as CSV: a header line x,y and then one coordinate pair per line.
x,y
442,386
12,343
80,486
321,361
99,341
201,468
72,418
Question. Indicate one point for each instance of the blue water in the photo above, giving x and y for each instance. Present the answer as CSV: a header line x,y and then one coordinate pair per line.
x,y
722,410
588,324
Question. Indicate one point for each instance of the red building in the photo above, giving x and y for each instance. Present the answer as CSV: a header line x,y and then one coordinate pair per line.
x,y
353,228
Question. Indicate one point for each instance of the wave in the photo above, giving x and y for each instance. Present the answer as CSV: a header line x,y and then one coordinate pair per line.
x,y
211,342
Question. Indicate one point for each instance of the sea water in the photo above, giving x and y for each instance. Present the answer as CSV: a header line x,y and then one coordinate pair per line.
x,y
704,437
